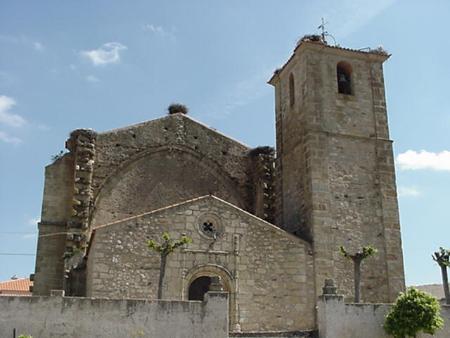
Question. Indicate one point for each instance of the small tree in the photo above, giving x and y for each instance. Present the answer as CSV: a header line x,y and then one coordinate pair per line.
x,y
357,259
442,257
413,311
164,249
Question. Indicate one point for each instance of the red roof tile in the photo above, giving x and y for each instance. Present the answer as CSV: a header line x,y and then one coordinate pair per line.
x,y
19,286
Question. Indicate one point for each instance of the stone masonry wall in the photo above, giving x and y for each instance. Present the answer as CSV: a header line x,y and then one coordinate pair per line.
x,y
355,205
346,185
56,207
261,166
338,180
292,169
176,157
267,271
124,172
81,145
158,180
48,317
339,320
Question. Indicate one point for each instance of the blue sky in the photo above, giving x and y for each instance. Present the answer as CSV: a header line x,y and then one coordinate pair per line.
x,y
107,64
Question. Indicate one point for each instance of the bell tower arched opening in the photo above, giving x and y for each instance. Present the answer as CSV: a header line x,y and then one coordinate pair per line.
x,y
344,78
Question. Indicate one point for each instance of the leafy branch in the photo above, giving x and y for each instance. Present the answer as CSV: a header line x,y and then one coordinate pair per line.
x,y
357,259
165,248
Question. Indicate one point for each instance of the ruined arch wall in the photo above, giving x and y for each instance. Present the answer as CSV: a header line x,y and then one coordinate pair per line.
x,y
116,147
165,161
159,178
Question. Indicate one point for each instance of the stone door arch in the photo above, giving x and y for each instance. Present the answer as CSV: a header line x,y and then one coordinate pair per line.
x,y
228,285
198,287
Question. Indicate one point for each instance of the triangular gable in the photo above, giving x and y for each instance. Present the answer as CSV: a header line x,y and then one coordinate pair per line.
x,y
183,118
215,200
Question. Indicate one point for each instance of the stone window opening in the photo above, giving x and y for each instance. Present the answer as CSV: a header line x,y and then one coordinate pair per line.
x,y
291,90
209,229
210,226
344,78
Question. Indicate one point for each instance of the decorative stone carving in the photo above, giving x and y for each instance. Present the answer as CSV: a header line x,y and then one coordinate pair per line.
x,y
329,291
210,225
329,288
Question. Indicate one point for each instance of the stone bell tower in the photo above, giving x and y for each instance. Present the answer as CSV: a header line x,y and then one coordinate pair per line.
x,y
335,166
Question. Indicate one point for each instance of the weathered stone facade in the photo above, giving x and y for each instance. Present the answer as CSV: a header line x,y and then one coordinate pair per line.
x,y
260,265
336,180
279,219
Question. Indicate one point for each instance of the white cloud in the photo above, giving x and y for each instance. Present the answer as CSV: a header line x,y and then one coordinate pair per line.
x,y
106,54
154,29
424,160
92,79
408,192
4,137
6,117
158,30
38,46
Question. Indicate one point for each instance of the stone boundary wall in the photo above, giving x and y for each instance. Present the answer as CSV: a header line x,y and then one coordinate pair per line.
x,y
339,320
276,334
45,317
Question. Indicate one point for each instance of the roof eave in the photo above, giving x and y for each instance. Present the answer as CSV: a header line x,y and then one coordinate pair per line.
x,y
374,55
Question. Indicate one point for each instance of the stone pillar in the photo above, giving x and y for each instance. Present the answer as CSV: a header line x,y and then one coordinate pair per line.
x,y
216,307
261,186
234,301
328,304
385,181
82,145
56,205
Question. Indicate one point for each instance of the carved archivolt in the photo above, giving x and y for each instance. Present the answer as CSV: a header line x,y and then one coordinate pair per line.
x,y
229,285
209,270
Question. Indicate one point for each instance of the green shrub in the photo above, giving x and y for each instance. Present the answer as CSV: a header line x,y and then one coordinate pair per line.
x,y
413,311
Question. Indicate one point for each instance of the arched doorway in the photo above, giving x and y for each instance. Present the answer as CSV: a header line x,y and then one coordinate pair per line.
x,y
197,277
199,287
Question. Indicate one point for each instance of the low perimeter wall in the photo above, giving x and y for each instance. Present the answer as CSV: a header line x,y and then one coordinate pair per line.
x,y
339,320
54,316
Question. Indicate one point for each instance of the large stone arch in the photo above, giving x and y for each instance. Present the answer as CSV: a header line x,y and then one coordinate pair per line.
x,y
228,282
158,178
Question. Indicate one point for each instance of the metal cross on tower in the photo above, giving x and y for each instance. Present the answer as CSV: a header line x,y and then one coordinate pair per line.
x,y
324,32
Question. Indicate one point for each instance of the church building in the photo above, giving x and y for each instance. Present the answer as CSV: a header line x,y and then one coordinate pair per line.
x,y
268,222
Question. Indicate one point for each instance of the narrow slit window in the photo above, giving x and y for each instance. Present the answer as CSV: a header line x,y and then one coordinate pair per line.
x,y
291,90
344,78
